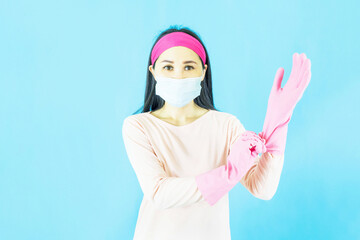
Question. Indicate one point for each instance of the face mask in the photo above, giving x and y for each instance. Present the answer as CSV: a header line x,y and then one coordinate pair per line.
x,y
178,92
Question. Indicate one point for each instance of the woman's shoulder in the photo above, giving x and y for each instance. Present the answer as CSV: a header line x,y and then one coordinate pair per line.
x,y
224,115
134,120
136,117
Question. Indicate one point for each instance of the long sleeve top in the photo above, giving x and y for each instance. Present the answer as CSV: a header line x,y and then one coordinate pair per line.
x,y
166,158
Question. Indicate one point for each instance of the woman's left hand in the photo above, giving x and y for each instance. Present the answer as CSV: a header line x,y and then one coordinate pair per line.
x,y
282,102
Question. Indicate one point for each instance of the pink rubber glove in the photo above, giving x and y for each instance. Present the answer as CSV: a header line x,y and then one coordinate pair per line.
x,y
215,183
282,102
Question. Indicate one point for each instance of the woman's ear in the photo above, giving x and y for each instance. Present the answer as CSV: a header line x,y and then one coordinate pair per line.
x,y
205,70
151,69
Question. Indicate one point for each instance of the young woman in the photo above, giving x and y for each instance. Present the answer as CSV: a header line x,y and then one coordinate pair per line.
x,y
187,155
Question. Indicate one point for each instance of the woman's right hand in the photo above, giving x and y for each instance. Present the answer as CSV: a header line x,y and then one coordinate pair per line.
x,y
243,154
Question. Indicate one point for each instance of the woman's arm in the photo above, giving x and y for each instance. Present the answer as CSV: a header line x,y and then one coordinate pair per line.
x,y
163,191
263,178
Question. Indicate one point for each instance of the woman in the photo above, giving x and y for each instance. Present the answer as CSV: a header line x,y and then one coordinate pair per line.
x,y
187,155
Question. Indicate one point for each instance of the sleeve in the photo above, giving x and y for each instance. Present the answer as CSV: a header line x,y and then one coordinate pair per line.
x,y
263,177
163,191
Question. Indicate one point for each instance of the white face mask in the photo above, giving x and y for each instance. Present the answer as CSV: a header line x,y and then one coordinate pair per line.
x,y
178,92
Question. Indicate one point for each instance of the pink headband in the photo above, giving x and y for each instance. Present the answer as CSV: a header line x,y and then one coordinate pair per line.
x,y
178,39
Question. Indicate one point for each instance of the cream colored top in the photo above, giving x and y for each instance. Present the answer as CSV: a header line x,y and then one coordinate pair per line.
x,y
166,158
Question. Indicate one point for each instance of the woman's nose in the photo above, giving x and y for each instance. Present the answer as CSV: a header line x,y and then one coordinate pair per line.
x,y
178,75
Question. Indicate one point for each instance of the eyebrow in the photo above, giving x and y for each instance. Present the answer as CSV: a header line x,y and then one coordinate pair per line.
x,y
190,61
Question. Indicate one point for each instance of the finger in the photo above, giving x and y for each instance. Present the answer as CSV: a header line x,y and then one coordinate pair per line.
x,y
291,83
254,154
304,85
249,138
258,137
305,75
296,60
304,69
257,142
278,79
250,135
260,141
254,142
260,148
306,80
295,63
302,58
245,134
250,142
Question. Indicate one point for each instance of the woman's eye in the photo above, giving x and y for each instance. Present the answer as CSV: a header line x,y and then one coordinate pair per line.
x,y
166,67
191,67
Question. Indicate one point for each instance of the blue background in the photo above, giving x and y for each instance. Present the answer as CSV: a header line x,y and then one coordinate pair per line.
x,y
71,71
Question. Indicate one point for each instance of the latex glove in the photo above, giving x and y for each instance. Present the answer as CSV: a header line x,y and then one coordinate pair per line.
x,y
282,102
215,183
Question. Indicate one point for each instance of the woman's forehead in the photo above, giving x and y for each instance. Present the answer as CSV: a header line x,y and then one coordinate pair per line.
x,y
178,53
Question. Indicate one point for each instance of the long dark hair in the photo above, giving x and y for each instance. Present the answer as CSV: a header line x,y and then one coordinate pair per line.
x,y
153,102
